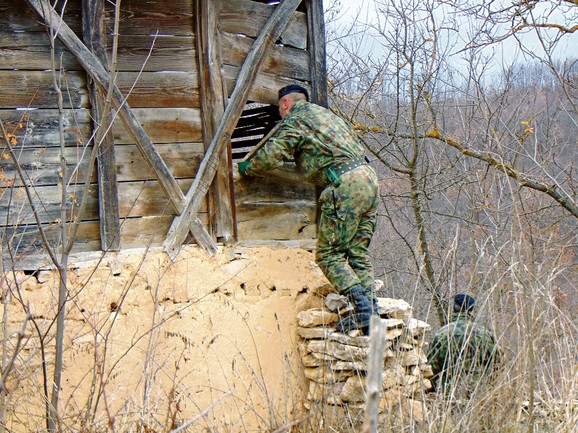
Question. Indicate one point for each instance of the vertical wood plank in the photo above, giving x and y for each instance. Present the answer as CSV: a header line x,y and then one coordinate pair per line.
x,y
317,61
93,31
212,94
316,42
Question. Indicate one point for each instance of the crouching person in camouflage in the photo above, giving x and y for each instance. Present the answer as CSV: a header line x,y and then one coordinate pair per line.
x,y
463,354
328,154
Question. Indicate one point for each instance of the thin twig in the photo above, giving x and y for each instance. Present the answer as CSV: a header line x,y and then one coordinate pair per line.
x,y
20,336
202,414
287,427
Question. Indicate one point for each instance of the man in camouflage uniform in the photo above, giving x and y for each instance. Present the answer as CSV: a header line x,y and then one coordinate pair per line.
x,y
463,351
328,154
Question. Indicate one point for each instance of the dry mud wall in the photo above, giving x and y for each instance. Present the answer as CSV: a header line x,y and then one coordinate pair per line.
x,y
155,343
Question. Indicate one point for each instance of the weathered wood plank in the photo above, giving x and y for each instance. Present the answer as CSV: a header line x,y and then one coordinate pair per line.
x,y
183,159
42,166
282,184
35,89
151,54
265,87
164,125
135,233
100,75
318,70
283,61
16,17
160,90
93,35
276,221
248,17
213,105
135,199
39,129
24,244
16,210
282,208
268,35
149,17
140,199
31,51
148,231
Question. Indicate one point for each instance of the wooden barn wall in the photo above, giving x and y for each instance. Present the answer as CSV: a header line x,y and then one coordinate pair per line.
x,y
157,68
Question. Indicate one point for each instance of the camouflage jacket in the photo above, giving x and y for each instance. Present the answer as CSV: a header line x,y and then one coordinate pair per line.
x,y
462,351
314,138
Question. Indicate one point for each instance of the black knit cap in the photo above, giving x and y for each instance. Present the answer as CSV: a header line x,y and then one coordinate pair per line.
x,y
293,88
464,303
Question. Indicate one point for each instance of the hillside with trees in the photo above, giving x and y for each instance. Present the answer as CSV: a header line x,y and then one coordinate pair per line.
x,y
469,111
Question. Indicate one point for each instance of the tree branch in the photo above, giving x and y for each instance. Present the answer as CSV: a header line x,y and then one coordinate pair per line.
x,y
559,27
524,180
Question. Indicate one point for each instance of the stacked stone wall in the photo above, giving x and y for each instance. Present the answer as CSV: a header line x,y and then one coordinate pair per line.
x,y
336,364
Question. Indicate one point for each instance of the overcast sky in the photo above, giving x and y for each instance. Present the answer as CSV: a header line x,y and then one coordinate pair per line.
x,y
365,9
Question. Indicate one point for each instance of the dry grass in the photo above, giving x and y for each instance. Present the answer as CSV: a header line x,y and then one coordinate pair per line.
x,y
534,392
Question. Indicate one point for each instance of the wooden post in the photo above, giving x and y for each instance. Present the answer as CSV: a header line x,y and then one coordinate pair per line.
x,y
213,95
94,68
317,61
267,37
93,34
316,42
374,374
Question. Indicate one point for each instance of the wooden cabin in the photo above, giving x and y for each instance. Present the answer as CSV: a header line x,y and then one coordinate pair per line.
x,y
173,94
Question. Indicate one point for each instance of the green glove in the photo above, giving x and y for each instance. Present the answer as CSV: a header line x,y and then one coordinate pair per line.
x,y
242,166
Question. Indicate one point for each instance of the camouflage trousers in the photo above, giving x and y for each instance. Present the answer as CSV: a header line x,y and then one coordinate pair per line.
x,y
347,224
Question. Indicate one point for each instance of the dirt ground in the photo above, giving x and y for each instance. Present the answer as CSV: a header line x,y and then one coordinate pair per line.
x,y
155,343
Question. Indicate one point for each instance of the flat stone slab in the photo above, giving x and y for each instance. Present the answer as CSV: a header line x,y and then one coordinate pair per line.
x,y
316,317
337,350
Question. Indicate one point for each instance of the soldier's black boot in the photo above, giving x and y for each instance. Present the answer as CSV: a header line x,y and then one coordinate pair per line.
x,y
374,305
361,315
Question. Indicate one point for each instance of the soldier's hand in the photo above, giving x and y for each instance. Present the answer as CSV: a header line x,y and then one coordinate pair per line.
x,y
242,166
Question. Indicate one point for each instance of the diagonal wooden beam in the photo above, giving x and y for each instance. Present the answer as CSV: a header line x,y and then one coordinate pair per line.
x,y
98,73
268,36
